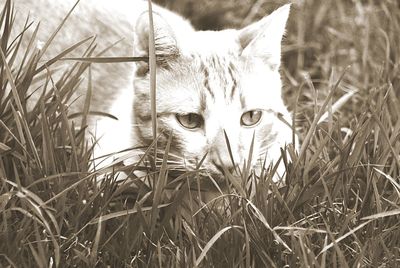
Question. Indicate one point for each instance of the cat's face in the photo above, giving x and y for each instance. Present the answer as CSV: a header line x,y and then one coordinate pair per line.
x,y
218,90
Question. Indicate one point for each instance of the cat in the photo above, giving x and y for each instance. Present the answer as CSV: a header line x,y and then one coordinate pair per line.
x,y
213,87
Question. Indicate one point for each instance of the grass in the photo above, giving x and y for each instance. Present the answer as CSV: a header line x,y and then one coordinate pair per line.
x,y
340,206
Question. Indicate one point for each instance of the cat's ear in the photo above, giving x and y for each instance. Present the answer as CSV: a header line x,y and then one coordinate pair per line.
x,y
263,38
166,47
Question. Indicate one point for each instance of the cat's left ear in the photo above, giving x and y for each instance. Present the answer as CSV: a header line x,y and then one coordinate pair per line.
x,y
166,47
263,38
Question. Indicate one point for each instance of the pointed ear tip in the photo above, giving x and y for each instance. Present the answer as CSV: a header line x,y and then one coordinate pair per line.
x,y
285,8
142,21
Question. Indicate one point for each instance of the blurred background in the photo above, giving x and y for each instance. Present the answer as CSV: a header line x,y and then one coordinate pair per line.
x,y
323,38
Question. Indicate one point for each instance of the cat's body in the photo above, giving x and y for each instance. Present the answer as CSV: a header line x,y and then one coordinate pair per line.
x,y
210,85
112,23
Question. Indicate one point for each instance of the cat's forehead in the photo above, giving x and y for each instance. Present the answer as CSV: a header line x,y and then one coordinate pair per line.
x,y
211,42
214,73
203,81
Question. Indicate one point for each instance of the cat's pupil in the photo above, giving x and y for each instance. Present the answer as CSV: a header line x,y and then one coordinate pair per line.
x,y
190,120
250,118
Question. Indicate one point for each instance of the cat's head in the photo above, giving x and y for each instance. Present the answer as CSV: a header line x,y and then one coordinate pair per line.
x,y
215,90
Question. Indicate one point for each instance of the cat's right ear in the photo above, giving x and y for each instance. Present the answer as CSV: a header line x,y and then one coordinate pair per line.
x,y
166,47
263,39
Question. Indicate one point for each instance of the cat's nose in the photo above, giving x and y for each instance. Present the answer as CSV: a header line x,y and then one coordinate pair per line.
x,y
223,154
223,163
223,168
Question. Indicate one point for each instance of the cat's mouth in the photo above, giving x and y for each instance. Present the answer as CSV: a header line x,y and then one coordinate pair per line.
x,y
223,172
203,168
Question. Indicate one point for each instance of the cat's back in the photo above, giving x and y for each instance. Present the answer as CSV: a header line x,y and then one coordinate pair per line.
x,y
89,18
110,21
113,24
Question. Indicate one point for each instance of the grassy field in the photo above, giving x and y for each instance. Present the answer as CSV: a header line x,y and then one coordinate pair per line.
x,y
340,206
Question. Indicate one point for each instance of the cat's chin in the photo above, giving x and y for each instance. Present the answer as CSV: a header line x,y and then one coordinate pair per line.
x,y
213,180
205,179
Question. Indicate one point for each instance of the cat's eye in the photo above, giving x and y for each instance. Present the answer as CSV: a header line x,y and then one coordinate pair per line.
x,y
250,118
190,120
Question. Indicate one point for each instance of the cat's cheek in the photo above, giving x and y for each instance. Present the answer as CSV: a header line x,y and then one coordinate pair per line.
x,y
263,136
273,137
244,147
189,143
195,143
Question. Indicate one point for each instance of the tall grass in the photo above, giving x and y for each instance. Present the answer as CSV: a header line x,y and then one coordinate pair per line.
x,y
339,206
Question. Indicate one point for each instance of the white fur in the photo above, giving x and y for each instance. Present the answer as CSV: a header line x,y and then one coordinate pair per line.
x,y
255,52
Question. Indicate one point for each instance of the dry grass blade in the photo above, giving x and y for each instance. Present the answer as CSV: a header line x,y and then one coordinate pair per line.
x,y
95,247
107,59
71,187
4,148
64,117
261,217
351,232
53,35
88,97
387,139
20,143
38,258
228,145
247,170
11,80
61,55
159,187
10,262
395,184
212,241
235,181
152,66
314,124
337,105
382,215
127,212
97,113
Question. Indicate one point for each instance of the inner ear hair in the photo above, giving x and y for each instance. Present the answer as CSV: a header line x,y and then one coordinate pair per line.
x,y
166,47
